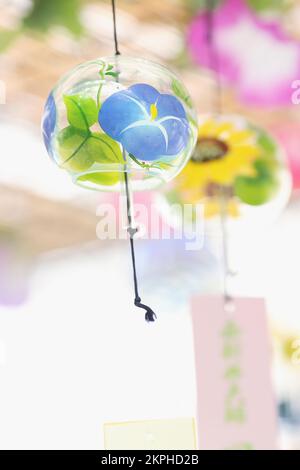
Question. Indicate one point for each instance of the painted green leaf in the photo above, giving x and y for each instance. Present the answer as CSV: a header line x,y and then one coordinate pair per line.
x,y
181,93
267,143
79,150
101,178
163,165
73,149
259,189
113,74
138,162
268,151
81,111
104,149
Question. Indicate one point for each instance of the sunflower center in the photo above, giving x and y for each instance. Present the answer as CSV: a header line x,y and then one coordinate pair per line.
x,y
209,149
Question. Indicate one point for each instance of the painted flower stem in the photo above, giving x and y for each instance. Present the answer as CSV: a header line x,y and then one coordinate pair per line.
x,y
98,96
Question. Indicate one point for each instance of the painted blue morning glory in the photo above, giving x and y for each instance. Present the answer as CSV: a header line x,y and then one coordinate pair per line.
x,y
49,122
148,124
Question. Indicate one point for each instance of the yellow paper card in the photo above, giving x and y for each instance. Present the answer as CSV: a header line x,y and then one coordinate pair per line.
x,y
172,434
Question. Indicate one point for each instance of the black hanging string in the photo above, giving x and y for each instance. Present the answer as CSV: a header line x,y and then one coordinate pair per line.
x,y
117,52
150,316
215,66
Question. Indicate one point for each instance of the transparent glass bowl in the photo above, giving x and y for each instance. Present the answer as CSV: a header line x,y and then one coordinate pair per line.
x,y
236,168
120,114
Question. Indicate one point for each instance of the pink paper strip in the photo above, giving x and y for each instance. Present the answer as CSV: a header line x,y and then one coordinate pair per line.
x,y
235,400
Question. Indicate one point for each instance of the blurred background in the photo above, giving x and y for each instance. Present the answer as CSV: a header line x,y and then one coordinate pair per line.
x,y
74,352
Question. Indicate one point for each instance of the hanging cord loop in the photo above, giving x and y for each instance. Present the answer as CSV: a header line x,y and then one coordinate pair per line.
x,y
150,316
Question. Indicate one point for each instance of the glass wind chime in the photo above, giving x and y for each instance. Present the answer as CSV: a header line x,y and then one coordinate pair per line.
x,y
237,169
120,121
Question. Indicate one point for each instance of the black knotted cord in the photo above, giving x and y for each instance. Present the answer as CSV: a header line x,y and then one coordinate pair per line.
x,y
223,199
150,316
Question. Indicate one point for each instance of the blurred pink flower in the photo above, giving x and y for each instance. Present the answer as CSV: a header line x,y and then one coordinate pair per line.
x,y
255,55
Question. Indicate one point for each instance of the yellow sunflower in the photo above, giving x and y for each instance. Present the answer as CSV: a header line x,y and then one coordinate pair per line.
x,y
223,152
